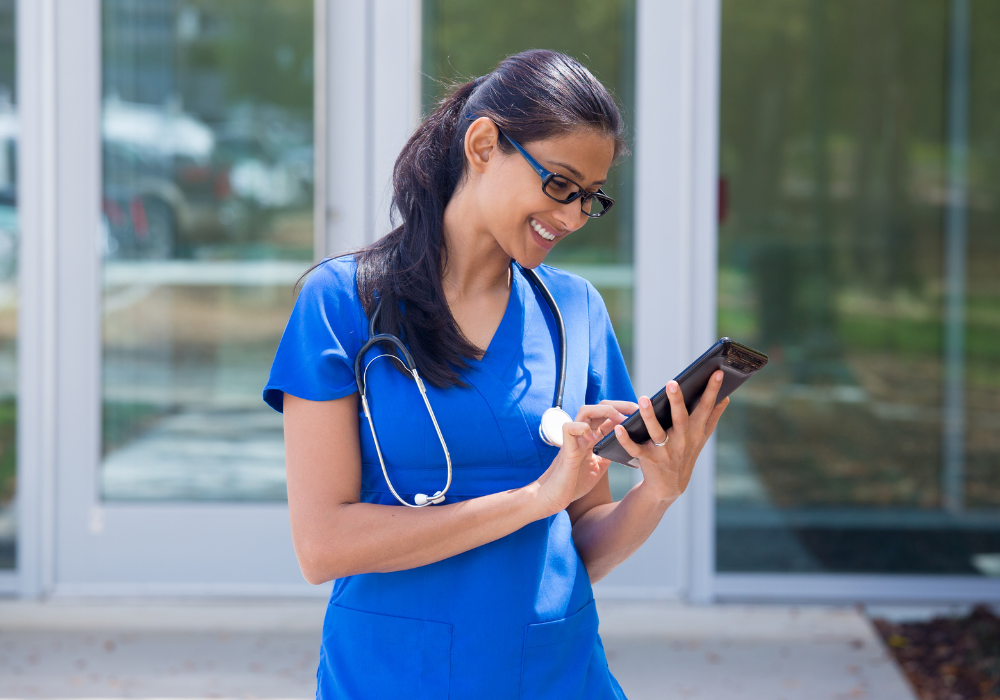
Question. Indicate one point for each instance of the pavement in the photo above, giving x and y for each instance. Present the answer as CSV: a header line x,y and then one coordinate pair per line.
x,y
269,649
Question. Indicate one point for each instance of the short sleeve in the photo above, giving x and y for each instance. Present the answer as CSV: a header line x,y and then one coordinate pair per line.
x,y
315,357
608,377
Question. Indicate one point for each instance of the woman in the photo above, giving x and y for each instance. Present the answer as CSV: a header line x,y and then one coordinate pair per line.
x,y
485,593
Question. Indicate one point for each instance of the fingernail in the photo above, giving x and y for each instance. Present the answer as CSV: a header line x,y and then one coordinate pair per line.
x,y
718,376
672,386
619,430
644,402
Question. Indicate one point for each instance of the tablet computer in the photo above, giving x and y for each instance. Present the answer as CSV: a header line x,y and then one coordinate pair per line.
x,y
737,361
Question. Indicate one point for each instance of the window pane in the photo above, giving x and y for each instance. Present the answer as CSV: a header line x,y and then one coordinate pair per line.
x,y
8,287
208,165
877,300
465,38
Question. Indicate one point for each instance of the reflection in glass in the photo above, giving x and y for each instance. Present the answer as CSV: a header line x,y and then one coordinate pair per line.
x,y
8,288
207,203
465,38
861,255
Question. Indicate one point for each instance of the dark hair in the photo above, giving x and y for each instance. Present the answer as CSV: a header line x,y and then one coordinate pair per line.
x,y
531,96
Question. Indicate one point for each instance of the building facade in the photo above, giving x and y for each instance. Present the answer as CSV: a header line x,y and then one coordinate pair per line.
x,y
817,179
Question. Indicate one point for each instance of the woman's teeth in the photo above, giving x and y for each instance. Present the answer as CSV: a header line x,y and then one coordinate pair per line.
x,y
542,231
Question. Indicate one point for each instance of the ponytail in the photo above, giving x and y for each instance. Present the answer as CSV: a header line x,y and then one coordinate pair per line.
x,y
531,96
405,265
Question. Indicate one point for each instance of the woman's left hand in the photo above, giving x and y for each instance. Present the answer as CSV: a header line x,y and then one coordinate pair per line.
x,y
667,468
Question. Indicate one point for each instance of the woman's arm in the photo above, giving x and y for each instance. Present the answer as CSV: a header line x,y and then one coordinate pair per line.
x,y
608,533
336,535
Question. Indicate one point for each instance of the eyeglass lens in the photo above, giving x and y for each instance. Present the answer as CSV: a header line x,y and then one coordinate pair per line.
x,y
563,190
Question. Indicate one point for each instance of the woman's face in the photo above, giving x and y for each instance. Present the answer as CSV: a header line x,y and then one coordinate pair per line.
x,y
525,222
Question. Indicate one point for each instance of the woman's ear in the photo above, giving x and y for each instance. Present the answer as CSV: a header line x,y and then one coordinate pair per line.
x,y
481,141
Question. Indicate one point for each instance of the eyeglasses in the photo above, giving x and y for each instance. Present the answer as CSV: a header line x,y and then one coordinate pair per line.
x,y
559,187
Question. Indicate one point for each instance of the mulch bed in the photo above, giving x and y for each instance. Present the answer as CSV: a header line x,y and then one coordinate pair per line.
x,y
949,658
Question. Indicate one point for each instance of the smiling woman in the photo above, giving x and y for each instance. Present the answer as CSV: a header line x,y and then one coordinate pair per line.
x,y
491,576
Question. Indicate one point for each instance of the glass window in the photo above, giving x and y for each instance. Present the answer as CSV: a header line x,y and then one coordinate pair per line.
x,y
858,248
207,203
464,38
8,287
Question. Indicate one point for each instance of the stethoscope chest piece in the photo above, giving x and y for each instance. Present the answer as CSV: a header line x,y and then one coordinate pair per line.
x,y
551,428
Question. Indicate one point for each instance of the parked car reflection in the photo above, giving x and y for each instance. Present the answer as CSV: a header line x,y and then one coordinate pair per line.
x,y
165,189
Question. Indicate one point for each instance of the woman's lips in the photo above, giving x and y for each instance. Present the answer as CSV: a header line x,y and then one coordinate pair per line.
x,y
542,234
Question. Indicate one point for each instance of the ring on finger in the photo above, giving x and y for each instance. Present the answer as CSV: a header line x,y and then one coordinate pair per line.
x,y
661,444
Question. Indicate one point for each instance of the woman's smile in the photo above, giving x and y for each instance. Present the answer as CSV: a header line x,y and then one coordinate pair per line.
x,y
544,235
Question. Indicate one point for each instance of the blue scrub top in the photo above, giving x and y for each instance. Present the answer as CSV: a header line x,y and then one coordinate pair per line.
x,y
514,618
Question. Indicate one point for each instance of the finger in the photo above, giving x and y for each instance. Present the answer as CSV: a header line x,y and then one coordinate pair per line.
x,y
597,415
625,407
597,466
713,418
605,428
678,411
609,425
707,401
627,443
653,427
579,434
602,466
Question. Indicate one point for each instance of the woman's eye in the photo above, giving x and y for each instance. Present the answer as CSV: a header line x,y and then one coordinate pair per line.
x,y
559,185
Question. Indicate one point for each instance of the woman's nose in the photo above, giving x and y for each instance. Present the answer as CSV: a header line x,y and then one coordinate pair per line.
x,y
570,216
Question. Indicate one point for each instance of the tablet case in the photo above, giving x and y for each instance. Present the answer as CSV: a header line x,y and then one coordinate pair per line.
x,y
737,361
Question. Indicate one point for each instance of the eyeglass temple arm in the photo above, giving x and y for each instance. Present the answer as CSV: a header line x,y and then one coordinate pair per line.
x,y
536,166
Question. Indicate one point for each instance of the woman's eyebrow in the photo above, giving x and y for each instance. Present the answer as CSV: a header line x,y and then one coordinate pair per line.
x,y
575,173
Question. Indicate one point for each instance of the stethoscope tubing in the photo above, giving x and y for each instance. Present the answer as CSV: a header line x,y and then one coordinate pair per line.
x,y
361,378
560,331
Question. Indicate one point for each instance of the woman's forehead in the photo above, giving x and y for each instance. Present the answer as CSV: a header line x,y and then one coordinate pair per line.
x,y
584,155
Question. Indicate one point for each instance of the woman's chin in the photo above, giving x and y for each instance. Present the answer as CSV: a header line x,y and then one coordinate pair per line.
x,y
532,259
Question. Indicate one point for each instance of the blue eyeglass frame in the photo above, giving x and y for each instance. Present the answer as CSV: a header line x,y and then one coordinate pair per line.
x,y
547,177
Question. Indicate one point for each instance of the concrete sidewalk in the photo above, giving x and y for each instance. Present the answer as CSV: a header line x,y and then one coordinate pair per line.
x,y
269,649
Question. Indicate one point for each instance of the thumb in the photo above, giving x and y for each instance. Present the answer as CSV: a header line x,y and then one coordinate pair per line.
x,y
578,437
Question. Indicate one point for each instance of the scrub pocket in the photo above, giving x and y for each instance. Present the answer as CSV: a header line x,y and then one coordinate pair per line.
x,y
367,655
557,655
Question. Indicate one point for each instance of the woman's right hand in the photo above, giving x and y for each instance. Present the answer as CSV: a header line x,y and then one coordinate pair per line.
x,y
576,469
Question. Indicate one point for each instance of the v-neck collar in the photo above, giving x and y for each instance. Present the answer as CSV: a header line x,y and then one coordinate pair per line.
x,y
509,335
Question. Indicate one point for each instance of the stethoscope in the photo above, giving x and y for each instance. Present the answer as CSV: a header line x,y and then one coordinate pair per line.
x,y
552,420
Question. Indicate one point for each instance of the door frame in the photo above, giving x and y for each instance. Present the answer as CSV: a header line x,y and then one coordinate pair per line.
x,y
69,542
676,175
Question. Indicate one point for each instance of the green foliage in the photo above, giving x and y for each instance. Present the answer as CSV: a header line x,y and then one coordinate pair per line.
x,y
835,148
8,449
267,51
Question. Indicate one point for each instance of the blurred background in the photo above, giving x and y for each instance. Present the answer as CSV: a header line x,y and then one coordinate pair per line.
x,y
858,199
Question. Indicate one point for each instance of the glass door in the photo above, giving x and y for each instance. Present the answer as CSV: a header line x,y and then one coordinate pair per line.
x,y
858,248
206,223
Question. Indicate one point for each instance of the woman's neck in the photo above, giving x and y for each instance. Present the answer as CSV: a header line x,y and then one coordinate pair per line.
x,y
475,264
